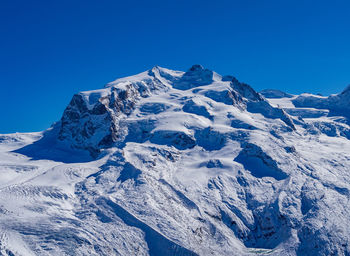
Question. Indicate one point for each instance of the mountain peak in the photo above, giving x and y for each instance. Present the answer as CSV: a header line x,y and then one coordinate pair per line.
x,y
194,77
198,71
196,67
159,69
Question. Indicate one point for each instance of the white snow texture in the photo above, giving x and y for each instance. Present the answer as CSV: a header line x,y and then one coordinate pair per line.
x,y
181,163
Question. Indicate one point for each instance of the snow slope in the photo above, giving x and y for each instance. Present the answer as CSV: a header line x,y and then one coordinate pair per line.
x,y
179,163
275,94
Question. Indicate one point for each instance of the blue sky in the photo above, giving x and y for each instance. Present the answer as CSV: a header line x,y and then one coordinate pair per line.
x,y
50,50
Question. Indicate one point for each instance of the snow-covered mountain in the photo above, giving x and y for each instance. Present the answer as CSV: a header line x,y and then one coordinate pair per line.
x,y
181,163
275,94
338,104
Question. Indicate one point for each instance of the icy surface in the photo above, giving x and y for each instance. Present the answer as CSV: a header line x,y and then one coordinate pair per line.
x,y
275,94
180,163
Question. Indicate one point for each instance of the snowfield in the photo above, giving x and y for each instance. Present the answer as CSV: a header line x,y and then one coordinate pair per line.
x,y
181,163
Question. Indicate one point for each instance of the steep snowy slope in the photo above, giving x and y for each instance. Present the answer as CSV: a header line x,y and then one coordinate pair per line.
x,y
177,163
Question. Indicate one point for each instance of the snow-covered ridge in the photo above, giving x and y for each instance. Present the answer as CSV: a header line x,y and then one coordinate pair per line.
x,y
337,104
95,120
318,114
275,94
180,163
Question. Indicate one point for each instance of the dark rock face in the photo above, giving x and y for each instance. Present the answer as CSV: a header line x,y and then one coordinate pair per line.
x,y
245,90
96,127
228,97
79,125
194,77
91,121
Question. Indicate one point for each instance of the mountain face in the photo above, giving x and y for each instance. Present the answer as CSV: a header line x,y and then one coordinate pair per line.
x,y
180,163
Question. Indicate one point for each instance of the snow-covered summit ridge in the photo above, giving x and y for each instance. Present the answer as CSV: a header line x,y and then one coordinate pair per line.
x,y
189,101
197,75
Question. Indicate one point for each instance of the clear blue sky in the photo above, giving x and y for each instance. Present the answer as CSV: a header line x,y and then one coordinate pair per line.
x,y
50,50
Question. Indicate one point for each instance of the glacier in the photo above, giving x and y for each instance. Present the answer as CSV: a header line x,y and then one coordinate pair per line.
x,y
181,163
